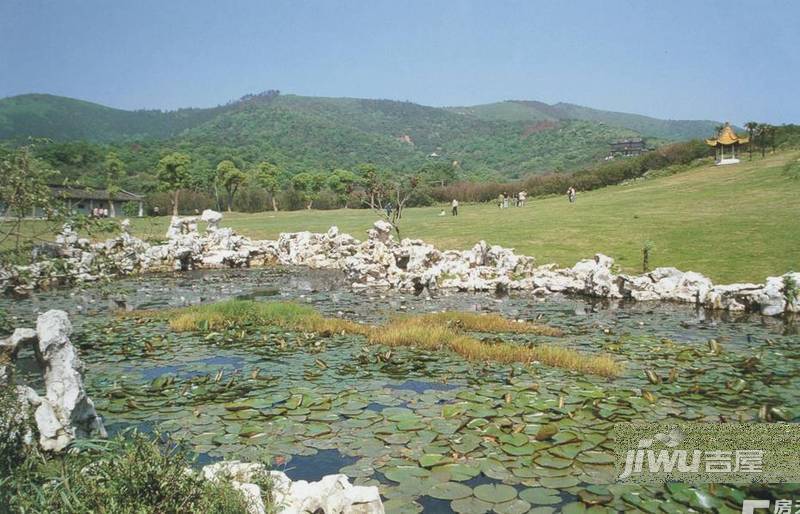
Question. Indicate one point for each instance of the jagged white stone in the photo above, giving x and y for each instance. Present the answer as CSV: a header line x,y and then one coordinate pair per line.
x,y
68,411
381,261
333,494
65,412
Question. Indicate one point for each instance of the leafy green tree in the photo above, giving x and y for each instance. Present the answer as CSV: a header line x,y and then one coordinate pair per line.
x,y
267,176
113,168
438,173
342,182
751,127
173,174
230,178
23,188
370,177
308,185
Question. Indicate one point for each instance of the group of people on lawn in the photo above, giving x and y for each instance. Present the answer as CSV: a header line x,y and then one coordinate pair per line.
x,y
504,200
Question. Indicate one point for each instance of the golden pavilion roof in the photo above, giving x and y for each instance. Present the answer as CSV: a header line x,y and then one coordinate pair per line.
x,y
727,137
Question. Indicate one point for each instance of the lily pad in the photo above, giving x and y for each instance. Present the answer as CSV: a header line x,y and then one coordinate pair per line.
x,y
495,493
540,496
450,491
470,505
515,506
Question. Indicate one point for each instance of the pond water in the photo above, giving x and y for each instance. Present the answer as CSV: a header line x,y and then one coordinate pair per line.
x,y
430,429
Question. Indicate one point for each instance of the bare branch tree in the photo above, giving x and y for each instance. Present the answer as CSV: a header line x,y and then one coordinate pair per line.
x,y
388,198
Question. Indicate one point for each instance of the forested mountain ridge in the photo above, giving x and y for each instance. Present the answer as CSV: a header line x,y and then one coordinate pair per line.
x,y
300,133
65,119
533,111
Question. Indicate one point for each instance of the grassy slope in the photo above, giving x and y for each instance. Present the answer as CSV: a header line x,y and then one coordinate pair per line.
x,y
733,223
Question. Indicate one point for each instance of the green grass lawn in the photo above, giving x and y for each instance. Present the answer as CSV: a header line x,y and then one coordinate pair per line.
x,y
731,223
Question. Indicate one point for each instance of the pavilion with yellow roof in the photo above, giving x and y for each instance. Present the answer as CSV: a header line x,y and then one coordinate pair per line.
x,y
726,145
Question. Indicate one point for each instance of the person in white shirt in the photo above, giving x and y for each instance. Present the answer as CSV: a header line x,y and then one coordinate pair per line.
x,y
455,207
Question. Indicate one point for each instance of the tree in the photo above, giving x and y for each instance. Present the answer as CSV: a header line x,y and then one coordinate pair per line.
x,y
762,134
172,174
308,185
113,167
341,182
230,178
439,173
751,127
266,175
23,188
370,177
770,134
393,195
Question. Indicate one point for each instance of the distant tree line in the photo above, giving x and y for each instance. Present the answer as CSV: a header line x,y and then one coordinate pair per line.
x,y
185,178
606,174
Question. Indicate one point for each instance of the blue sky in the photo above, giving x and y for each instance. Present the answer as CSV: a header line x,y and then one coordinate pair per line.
x,y
680,59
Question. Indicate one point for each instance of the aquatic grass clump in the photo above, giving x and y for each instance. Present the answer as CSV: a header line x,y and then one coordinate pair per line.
x,y
492,323
419,332
438,331
230,313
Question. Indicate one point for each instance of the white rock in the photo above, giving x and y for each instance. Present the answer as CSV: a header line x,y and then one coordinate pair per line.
x,y
213,219
67,412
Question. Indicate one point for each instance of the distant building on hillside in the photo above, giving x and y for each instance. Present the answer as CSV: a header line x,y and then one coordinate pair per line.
x,y
85,200
627,148
725,145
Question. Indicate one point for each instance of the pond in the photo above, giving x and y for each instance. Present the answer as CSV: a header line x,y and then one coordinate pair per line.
x,y
432,430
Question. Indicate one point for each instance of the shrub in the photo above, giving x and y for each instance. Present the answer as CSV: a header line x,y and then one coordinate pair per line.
x,y
606,174
190,201
131,474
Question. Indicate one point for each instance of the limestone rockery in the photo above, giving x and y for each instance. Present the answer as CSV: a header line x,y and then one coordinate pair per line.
x,y
382,261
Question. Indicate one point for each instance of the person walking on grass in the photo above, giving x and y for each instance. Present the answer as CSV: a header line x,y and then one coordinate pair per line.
x,y
455,207
505,200
571,194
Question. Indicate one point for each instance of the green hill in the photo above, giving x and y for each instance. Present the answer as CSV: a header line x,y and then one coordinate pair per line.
x,y
305,132
62,118
503,140
532,112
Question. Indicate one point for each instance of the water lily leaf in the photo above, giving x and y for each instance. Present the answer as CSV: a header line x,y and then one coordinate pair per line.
x,y
518,451
574,508
454,410
548,461
559,482
595,458
450,491
514,439
546,432
494,469
470,505
515,506
402,506
431,459
459,472
411,425
404,473
495,493
540,496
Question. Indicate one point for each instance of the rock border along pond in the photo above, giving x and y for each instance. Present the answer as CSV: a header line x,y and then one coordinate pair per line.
x,y
382,261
